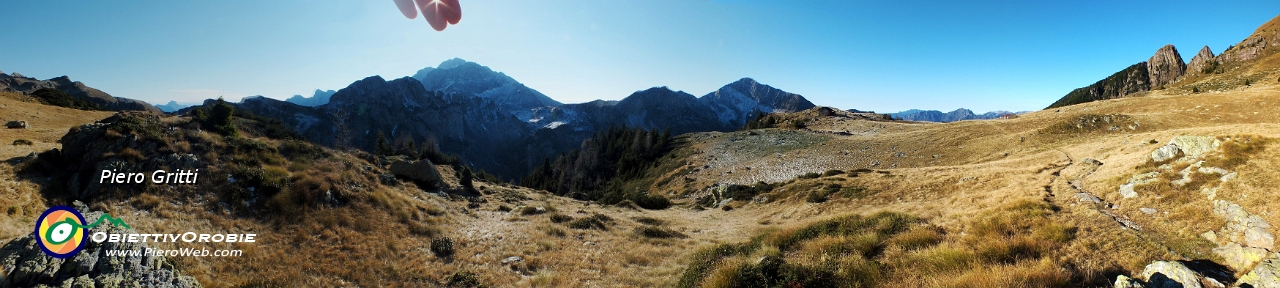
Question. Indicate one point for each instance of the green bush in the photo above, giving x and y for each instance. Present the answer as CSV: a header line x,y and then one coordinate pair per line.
x,y
55,97
465,279
657,232
442,247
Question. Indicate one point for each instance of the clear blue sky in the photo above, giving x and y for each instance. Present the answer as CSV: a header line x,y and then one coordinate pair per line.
x,y
885,56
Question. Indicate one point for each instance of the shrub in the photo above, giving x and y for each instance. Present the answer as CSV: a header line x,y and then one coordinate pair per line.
x,y
650,221
816,196
597,221
55,97
657,232
810,175
652,202
464,279
530,210
442,247
832,172
560,218
22,142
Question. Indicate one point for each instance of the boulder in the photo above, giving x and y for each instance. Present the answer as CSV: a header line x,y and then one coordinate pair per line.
x,y
17,124
421,171
1265,275
1195,146
1126,282
1171,274
1164,153
1239,257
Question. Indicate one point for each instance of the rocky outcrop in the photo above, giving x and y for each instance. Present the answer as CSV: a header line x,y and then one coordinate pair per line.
x,y
939,116
17,83
1263,41
1202,63
1166,67
421,171
1134,79
1265,275
23,264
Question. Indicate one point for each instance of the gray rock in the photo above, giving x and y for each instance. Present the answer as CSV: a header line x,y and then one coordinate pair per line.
x,y
1148,211
1126,191
1164,153
25,265
1243,227
1171,274
1195,146
1265,275
1087,198
422,171
1126,282
1239,257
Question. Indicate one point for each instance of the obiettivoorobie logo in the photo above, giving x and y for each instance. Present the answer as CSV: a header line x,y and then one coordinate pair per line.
x,y
61,231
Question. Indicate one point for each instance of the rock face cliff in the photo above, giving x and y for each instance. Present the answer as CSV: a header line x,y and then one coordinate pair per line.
x,y
1166,67
26,85
1128,81
1202,63
320,97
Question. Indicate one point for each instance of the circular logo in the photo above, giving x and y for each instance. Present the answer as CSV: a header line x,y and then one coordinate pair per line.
x,y
60,231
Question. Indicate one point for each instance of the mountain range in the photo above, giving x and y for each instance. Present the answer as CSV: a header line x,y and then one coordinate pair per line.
x,y
26,85
500,125
939,116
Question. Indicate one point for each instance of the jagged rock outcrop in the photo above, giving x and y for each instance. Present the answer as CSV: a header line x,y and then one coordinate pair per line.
x,y
1264,275
1134,79
1202,63
1166,67
17,83
23,264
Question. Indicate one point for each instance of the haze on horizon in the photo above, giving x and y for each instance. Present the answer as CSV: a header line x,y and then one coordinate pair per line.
x,y
887,57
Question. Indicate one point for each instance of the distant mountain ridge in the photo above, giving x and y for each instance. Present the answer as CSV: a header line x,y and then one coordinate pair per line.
x,y
460,76
320,97
26,85
939,116
501,126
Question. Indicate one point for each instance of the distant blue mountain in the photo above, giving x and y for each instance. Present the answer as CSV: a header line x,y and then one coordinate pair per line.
x,y
175,106
320,97
939,116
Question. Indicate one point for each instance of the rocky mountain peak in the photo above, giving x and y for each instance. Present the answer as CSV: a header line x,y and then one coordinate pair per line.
x,y
1166,66
1203,62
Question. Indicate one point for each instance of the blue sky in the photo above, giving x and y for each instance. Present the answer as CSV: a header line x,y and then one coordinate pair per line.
x,y
885,56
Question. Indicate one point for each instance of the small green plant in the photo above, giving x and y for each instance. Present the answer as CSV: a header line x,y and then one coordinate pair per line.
x,y
832,172
464,279
442,247
530,210
657,232
650,221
